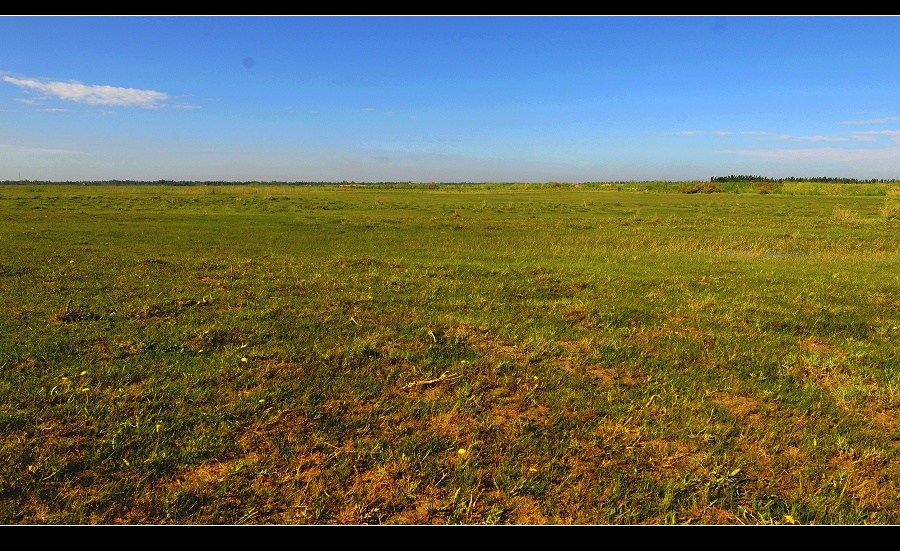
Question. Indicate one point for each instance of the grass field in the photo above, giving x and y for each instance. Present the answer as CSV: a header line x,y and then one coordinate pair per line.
x,y
449,354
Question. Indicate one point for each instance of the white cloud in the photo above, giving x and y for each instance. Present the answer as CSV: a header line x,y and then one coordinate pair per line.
x,y
873,121
881,132
16,150
868,135
714,133
813,138
90,94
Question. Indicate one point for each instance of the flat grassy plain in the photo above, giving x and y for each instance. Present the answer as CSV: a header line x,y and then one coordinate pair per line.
x,y
449,354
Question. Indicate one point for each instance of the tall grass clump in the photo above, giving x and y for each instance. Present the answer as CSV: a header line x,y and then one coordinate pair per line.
x,y
846,216
891,208
836,189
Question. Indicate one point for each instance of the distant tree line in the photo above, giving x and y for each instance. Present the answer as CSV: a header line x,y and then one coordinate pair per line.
x,y
819,179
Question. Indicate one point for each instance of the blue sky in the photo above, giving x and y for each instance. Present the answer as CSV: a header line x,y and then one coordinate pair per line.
x,y
448,99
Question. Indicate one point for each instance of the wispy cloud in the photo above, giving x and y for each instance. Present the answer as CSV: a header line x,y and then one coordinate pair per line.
x,y
89,94
813,138
868,135
17,150
714,133
380,111
882,120
823,155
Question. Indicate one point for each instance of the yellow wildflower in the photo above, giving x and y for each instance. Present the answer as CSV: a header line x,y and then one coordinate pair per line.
x,y
788,519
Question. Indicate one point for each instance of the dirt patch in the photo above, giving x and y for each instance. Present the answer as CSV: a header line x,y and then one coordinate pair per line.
x,y
453,424
820,347
528,511
742,407
611,376
668,454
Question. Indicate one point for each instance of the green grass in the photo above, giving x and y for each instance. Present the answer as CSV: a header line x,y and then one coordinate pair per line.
x,y
526,354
